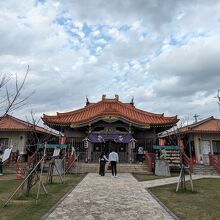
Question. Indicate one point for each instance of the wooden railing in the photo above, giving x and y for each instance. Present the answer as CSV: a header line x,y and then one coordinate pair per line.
x,y
215,161
149,159
187,161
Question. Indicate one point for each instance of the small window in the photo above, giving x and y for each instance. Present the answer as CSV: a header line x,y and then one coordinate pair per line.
x,y
3,143
216,147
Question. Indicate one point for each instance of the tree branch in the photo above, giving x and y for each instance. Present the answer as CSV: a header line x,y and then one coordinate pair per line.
x,y
13,101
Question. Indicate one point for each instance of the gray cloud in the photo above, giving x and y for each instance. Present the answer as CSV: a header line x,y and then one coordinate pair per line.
x,y
189,69
180,49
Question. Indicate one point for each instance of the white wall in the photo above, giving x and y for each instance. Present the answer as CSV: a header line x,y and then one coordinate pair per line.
x,y
17,139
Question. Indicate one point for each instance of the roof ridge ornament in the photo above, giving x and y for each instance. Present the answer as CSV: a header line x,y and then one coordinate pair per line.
x,y
103,96
132,101
87,101
117,97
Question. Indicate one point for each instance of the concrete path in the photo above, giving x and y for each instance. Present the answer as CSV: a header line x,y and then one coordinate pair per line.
x,y
170,180
109,198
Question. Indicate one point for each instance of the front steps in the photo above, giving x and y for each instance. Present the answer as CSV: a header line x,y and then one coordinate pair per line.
x,y
121,168
204,170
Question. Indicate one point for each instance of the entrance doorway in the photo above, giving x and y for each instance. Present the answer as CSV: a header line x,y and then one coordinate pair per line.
x,y
120,148
206,148
107,147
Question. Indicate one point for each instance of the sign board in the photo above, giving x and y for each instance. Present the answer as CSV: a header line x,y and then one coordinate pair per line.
x,y
56,152
53,146
172,154
155,147
99,138
110,117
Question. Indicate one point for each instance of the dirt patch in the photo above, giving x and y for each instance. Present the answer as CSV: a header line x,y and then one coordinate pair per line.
x,y
8,177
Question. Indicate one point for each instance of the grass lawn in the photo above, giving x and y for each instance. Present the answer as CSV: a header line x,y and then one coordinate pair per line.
x,y
204,203
146,177
25,207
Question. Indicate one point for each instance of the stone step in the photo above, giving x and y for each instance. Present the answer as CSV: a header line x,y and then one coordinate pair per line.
x,y
121,168
205,170
204,166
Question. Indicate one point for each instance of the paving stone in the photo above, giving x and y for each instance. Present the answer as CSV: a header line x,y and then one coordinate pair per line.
x,y
108,198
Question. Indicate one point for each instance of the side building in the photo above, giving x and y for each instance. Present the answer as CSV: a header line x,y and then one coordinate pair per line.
x,y
22,136
199,140
99,126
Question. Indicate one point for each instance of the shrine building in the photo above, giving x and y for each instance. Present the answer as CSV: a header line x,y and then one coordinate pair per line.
x,y
99,126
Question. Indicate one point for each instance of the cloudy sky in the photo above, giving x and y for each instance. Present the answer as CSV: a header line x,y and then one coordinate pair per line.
x,y
164,53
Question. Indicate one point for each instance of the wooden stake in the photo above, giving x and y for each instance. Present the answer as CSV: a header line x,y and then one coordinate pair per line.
x,y
23,182
41,172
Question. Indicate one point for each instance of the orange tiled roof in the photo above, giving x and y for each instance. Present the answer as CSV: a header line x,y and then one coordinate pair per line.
x,y
10,123
208,125
111,107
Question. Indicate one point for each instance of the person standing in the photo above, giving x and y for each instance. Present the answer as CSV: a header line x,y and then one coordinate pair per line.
x,y
140,154
1,163
102,161
113,158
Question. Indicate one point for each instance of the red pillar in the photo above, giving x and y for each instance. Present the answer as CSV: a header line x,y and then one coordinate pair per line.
x,y
181,143
161,141
63,140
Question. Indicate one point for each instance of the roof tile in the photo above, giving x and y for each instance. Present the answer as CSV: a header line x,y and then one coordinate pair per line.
x,y
10,123
110,107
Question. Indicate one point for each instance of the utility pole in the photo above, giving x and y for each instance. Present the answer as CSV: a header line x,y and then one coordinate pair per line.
x,y
218,97
196,117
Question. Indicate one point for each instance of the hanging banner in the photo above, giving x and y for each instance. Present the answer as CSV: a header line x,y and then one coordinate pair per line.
x,y
6,154
100,138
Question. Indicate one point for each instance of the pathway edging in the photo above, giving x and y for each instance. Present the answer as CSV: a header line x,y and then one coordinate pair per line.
x,y
162,204
108,198
60,200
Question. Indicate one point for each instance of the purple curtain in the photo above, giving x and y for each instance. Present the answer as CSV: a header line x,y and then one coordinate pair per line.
x,y
100,138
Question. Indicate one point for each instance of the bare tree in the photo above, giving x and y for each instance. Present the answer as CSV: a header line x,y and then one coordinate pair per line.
x,y
174,135
11,99
33,122
37,139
